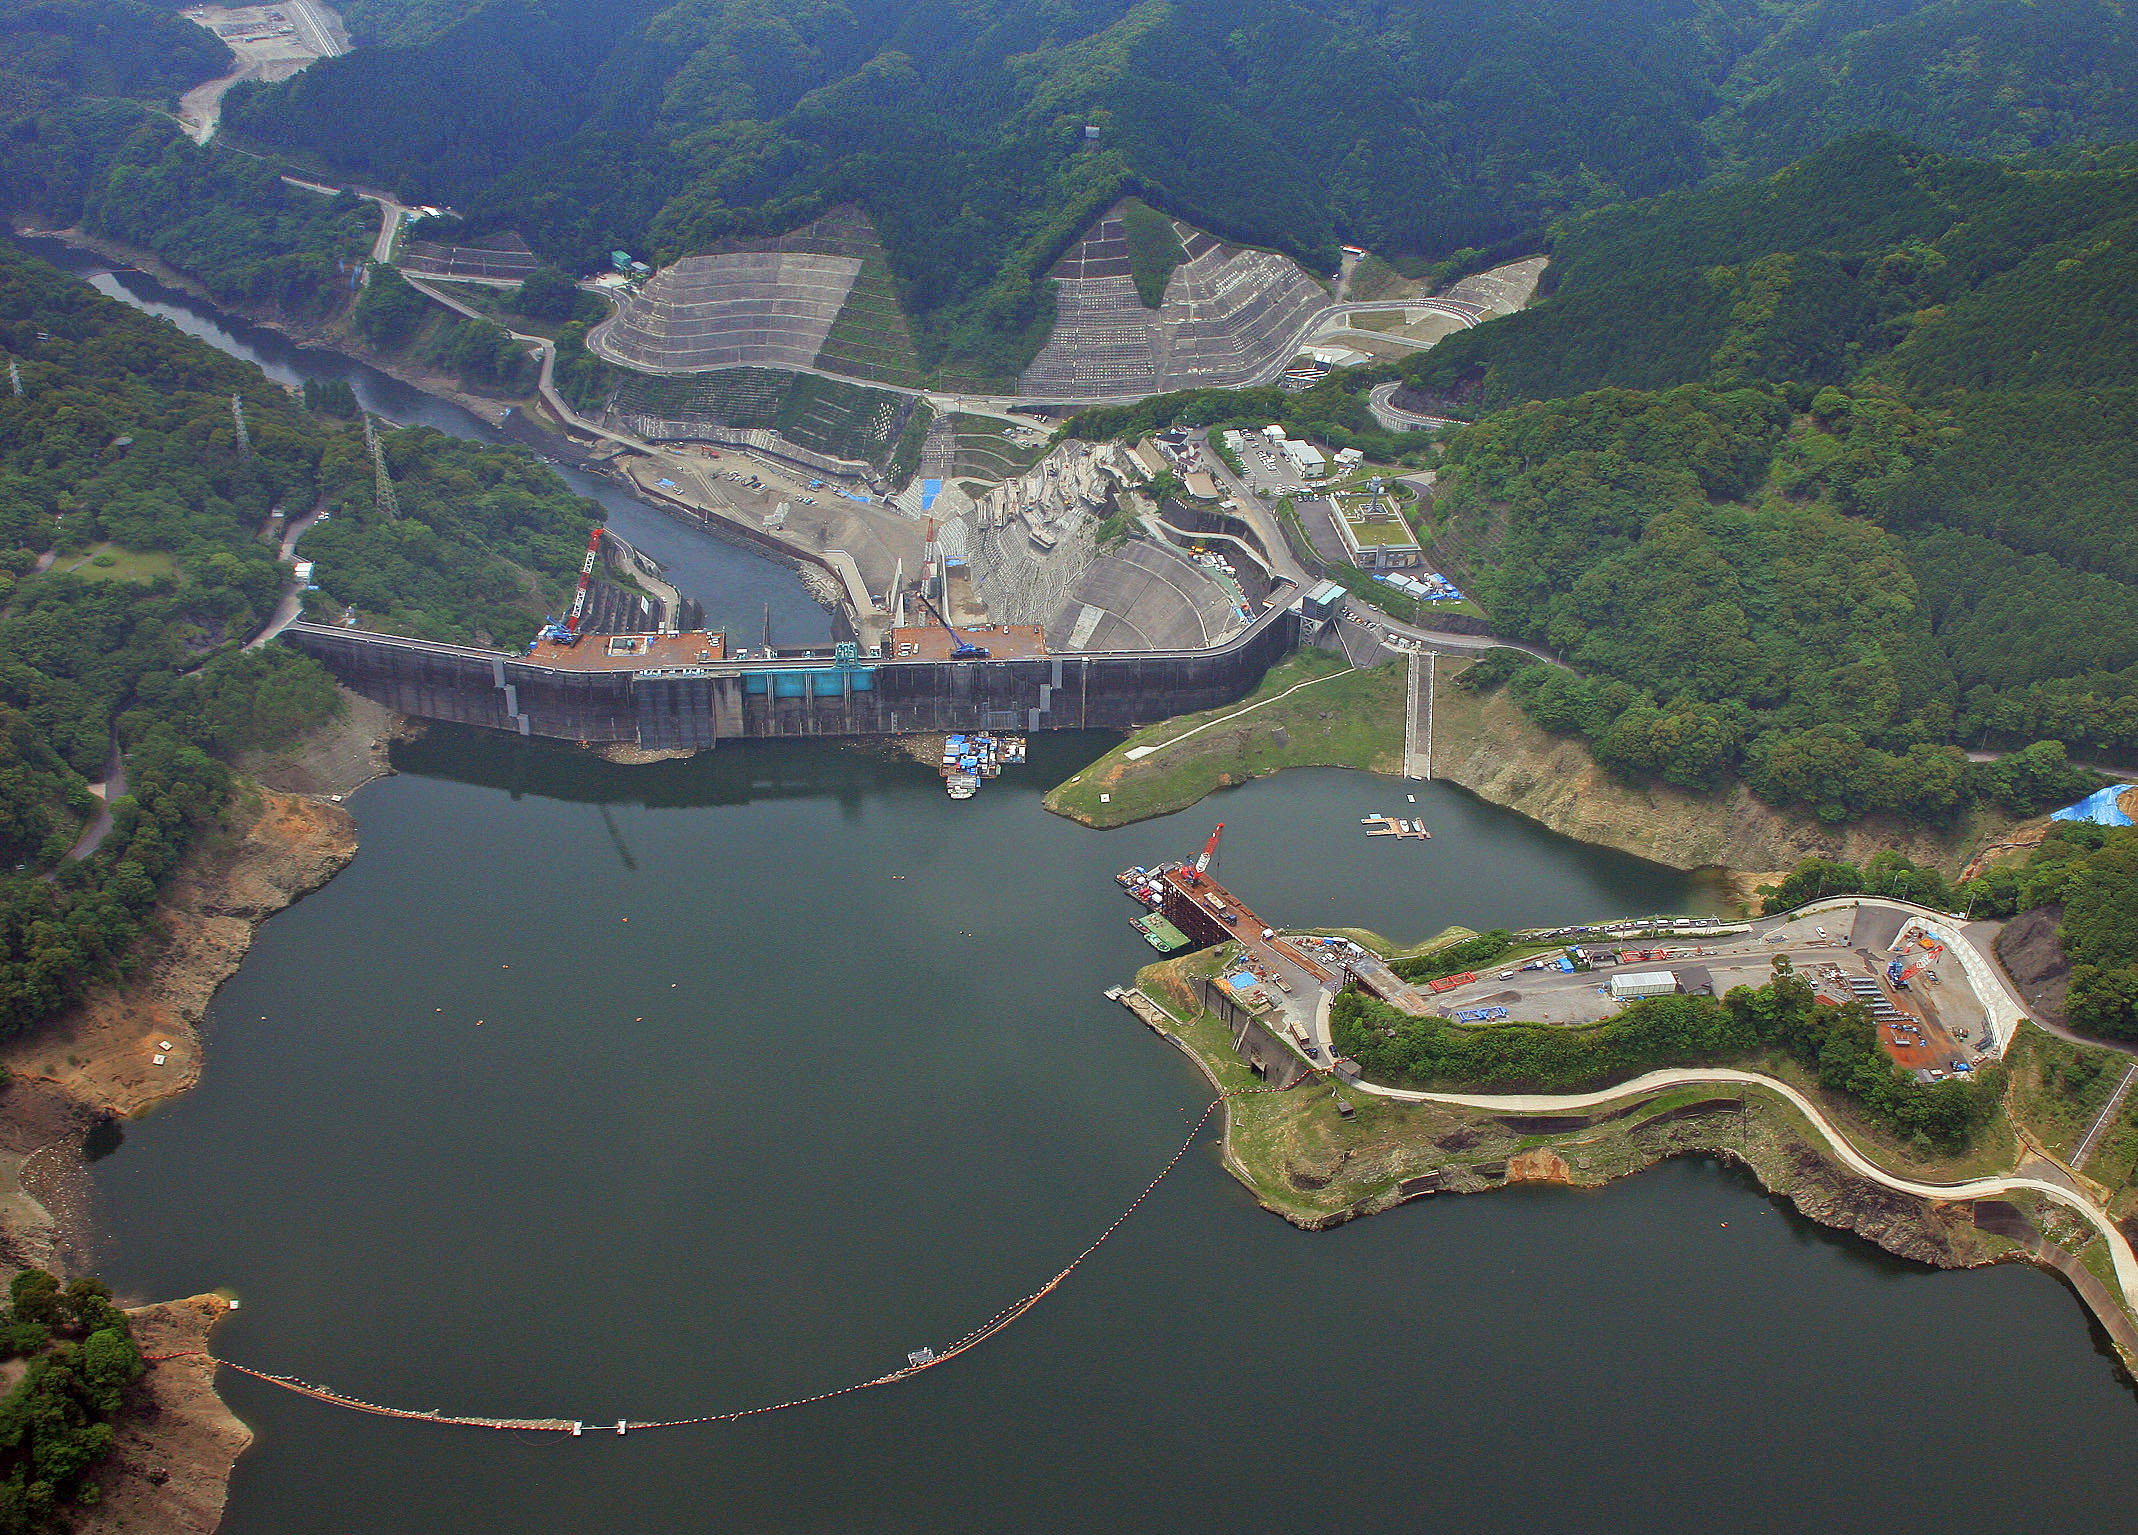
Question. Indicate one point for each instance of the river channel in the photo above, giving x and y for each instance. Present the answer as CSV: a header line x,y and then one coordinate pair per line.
x,y
605,1092
735,585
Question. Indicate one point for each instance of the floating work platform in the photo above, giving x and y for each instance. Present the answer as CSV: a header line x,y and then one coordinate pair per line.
x,y
1389,826
1161,934
1145,885
967,759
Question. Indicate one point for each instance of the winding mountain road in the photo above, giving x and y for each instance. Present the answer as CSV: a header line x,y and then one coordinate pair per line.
x,y
2119,1246
1381,401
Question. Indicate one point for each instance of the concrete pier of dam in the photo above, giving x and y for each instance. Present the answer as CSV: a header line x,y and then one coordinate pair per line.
x,y
662,705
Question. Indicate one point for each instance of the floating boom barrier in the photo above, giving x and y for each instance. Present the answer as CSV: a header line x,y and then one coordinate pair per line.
x,y
916,1362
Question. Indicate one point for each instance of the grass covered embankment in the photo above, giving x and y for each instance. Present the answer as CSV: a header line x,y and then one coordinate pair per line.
x,y
2059,1089
1312,710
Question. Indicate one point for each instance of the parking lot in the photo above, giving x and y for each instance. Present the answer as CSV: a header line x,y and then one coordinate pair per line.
x,y
1269,473
1828,949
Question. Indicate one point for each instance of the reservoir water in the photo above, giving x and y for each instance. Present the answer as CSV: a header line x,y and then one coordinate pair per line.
x,y
596,1092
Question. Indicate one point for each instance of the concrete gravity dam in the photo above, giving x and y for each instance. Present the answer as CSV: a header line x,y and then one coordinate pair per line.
x,y
689,691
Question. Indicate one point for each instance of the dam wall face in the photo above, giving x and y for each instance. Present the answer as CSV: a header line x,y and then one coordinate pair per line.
x,y
696,707
473,687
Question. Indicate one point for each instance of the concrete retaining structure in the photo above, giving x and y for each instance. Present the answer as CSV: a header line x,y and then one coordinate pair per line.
x,y
697,706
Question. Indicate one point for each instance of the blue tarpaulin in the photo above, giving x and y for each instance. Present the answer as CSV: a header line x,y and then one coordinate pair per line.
x,y
2099,807
930,489
1241,980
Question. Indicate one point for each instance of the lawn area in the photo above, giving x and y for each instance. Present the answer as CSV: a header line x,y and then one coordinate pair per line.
x,y
985,448
1297,1154
1386,948
1374,279
1380,347
109,562
1346,718
1425,330
1374,535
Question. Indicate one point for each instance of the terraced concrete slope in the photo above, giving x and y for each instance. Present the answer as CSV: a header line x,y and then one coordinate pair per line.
x,y
504,259
1230,317
819,296
1144,596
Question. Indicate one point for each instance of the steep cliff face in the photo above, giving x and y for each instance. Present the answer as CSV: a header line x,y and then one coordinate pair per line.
x,y
1486,744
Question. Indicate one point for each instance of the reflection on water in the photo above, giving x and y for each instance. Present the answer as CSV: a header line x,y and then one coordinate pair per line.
x,y
641,1092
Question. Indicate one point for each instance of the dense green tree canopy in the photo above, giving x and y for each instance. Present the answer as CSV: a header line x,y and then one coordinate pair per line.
x,y
1781,1018
1421,127
120,460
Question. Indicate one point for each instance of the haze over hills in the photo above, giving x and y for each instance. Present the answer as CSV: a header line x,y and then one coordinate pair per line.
x,y
1416,129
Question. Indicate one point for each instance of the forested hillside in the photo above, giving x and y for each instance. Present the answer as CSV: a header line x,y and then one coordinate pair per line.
x,y
1970,273
1928,370
121,475
1418,127
229,220
54,51
1868,502
2090,875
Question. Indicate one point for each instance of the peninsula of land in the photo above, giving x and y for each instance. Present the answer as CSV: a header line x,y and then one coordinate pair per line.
x,y
1336,1144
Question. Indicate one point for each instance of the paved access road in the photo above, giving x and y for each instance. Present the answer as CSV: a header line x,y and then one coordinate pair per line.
x,y
1657,1081
1381,401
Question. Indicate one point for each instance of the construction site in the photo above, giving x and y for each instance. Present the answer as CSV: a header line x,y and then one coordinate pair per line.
x,y
1230,317
1929,1017
920,653
817,297
268,42
1069,546
1913,974
820,298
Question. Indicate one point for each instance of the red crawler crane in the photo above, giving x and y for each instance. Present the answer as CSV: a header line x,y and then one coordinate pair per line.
x,y
567,633
1202,863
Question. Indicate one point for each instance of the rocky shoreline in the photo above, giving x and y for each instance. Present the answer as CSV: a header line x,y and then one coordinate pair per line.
x,y
128,1048
1443,1149
173,1452
1488,746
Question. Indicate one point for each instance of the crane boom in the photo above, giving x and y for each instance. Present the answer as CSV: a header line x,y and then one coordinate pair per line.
x,y
961,649
567,633
1202,864
586,579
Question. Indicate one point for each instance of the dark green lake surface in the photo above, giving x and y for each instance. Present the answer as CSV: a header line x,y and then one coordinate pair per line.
x,y
843,1084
